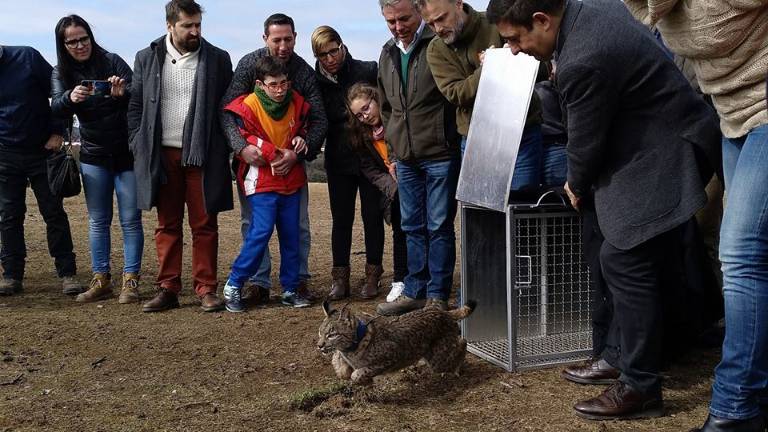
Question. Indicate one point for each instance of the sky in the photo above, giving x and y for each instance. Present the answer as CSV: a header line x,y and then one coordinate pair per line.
x,y
127,26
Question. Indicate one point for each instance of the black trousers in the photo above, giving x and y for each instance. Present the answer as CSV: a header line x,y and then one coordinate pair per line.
x,y
342,193
16,171
635,279
399,246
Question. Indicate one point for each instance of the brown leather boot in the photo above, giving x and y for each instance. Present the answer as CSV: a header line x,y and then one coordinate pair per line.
x,y
100,289
370,288
340,284
130,291
164,300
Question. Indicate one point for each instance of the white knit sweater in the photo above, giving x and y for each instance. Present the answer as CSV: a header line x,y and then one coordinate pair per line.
x,y
176,89
727,42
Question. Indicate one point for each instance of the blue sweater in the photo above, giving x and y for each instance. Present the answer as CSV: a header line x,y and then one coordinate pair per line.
x,y
25,113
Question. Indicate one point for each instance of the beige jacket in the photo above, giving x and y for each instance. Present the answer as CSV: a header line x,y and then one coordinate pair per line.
x,y
727,42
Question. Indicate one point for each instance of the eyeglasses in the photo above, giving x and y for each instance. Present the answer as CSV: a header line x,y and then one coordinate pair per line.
x,y
333,52
365,111
275,86
73,43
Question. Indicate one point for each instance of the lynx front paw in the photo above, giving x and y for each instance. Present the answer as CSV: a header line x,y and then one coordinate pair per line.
x,y
362,377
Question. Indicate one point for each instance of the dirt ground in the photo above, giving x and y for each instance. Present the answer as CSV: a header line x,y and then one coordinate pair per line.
x,y
108,367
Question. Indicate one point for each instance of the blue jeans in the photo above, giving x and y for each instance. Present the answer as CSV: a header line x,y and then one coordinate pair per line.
x,y
262,276
100,184
427,192
529,159
554,165
267,210
741,378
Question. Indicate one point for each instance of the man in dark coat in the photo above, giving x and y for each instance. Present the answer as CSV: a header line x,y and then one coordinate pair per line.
x,y
181,155
644,143
27,135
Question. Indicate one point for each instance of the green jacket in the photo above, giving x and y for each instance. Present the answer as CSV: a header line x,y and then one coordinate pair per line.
x,y
419,122
456,67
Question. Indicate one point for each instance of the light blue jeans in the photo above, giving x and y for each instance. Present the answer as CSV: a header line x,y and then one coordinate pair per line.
x,y
262,276
741,378
100,184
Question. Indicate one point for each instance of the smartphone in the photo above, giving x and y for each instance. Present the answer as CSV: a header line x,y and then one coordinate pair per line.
x,y
98,88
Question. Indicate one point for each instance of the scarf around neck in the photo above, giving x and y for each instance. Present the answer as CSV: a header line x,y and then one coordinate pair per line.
x,y
276,110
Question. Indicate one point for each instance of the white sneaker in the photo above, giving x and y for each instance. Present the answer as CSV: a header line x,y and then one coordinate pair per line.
x,y
394,293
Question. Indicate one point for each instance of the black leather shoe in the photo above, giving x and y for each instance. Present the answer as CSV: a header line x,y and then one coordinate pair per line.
x,y
620,402
717,424
594,372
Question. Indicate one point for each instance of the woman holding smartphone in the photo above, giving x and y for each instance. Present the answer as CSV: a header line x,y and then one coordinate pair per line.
x,y
93,84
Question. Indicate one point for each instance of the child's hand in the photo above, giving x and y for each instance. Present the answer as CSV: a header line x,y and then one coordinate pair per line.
x,y
393,170
299,145
284,164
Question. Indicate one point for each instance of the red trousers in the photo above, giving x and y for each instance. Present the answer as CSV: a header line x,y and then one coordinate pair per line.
x,y
185,185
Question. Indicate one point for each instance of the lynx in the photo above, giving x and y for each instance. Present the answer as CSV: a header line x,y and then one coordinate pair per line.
x,y
362,350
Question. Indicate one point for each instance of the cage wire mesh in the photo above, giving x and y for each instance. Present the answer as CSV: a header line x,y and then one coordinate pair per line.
x,y
547,319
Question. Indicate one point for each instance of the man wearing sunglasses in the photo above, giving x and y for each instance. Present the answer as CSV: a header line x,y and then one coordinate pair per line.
x,y
27,135
280,39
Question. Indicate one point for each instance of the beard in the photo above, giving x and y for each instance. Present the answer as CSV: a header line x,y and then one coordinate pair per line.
x,y
190,44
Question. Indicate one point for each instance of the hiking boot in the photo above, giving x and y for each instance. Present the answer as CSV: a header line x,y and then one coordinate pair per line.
x,y
436,303
164,300
401,305
340,284
395,291
370,288
232,299
304,291
254,295
10,286
130,291
100,289
70,286
295,300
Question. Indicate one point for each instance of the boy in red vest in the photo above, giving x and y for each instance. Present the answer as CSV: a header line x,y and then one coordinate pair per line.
x,y
273,120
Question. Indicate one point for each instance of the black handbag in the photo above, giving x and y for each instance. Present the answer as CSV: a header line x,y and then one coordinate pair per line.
x,y
63,174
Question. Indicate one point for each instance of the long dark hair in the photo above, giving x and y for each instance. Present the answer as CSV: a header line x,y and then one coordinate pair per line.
x,y
360,134
65,62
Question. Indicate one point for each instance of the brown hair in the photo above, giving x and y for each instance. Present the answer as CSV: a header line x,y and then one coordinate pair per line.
x,y
360,134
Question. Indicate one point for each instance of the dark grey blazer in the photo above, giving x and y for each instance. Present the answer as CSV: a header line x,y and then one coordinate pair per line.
x,y
145,132
638,134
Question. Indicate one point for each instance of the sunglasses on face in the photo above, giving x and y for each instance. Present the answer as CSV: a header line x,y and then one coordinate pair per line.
x,y
73,43
333,52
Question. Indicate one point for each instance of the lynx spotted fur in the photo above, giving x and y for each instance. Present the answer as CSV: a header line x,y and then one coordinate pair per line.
x,y
362,350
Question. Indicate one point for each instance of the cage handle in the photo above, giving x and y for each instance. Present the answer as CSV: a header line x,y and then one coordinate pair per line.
x,y
545,194
530,273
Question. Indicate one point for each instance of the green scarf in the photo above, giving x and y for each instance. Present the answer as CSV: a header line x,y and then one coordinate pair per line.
x,y
276,110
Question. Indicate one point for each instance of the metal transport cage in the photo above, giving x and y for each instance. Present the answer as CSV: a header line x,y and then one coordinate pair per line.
x,y
525,269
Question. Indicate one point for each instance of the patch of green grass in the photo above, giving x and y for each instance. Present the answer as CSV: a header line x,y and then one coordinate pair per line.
x,y
309,399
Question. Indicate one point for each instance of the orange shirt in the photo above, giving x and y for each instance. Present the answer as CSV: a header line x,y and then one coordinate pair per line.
x,y
278,131
381,149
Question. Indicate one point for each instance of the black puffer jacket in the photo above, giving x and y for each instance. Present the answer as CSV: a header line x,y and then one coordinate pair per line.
x,y
339,157
103,121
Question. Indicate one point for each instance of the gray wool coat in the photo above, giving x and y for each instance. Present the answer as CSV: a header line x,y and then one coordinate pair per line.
x,y
202,128
639,136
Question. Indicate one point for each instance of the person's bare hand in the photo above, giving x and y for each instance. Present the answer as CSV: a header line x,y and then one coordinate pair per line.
x,y
118,86
575,201
54,142
79,94
299,145
481,56
252,156
393,170
281,166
